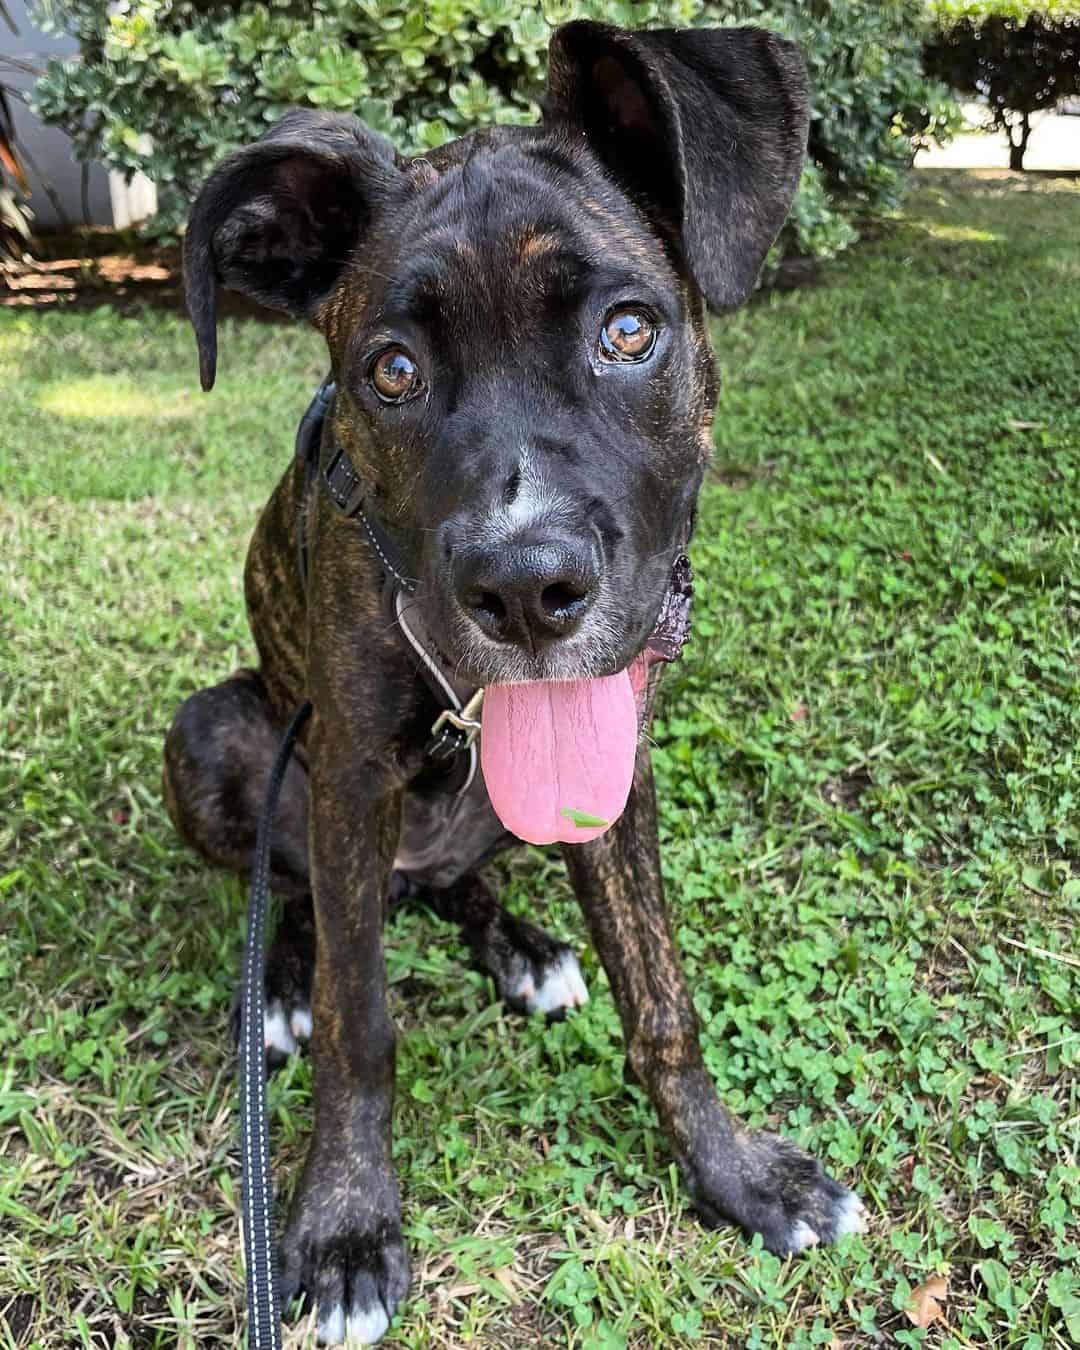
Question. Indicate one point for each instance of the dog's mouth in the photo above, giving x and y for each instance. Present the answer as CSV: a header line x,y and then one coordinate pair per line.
x,y
558,755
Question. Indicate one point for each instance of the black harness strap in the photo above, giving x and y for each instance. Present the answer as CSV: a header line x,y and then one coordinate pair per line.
x,y
343,486
308,440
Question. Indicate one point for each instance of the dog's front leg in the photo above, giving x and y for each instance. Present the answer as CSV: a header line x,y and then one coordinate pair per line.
x,y
343,1244
762,1182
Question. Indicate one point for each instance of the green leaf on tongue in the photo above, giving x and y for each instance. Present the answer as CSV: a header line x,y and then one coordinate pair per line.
x,y
583,820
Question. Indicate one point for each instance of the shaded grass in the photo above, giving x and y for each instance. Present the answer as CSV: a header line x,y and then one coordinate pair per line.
x,y
867,764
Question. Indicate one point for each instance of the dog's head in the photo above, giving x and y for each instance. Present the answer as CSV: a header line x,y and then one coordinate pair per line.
x,y
516,323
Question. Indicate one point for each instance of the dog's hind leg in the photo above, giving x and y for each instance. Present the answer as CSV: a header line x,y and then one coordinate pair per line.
x,y
533,972
218,755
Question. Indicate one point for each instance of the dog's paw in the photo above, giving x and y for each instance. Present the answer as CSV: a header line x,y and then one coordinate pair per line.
x,y
287,988
547,982
286,1026
360,1326
554,987
846,1213
533,972
770,1186
344,1253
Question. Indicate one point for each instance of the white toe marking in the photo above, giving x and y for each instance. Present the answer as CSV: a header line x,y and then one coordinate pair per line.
x,y
300,1023
367,1325
562,987
525,990
802,1236
331,1328
276,1033
852,1216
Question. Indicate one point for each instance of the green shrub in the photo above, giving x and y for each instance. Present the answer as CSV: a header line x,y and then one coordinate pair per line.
x,y
201,78
1021,57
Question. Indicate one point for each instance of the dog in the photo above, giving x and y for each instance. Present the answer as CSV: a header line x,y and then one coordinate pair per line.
x,y
498,495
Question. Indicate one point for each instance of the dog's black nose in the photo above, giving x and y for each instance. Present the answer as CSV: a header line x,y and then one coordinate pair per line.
x,y
531,591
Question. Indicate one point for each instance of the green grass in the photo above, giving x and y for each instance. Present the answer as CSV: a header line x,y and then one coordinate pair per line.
x,y
868,761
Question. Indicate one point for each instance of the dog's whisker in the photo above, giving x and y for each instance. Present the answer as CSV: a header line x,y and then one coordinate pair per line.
x,y
414,603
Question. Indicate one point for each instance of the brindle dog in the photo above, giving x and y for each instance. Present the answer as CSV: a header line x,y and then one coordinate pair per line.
x,y
516,326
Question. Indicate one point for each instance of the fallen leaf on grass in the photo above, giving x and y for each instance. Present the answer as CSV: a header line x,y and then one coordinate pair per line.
x,y
924,1306
505,1276
935,462
458,1291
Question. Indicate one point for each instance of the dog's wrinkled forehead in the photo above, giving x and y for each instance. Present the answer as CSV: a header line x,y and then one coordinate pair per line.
x,y
505,229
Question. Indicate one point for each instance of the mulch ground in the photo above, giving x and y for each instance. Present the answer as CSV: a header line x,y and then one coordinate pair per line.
x,y
87,268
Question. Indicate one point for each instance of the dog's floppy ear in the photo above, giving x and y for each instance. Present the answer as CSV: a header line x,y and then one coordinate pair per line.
x,y
706,128
278,219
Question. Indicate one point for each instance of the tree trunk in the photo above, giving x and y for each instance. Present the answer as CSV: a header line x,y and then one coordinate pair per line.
x,y
1018,147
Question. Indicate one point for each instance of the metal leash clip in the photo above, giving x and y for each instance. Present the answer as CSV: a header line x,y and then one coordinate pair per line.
x,y
467,721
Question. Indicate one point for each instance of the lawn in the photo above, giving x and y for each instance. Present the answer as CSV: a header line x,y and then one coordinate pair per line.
x,y
869,764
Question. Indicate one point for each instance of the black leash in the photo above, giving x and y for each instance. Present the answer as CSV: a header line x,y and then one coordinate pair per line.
x,y
260,1251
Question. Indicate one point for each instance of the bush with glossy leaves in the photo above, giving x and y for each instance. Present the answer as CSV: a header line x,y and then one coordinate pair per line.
x,y
170,86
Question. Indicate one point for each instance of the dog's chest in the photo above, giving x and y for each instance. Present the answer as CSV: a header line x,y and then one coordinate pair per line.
x,y
445,835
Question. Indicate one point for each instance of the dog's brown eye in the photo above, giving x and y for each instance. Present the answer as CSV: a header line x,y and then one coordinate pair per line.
x,y
627,335
395,375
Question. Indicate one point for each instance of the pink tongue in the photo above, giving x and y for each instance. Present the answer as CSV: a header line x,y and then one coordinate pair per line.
x,y
553,753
